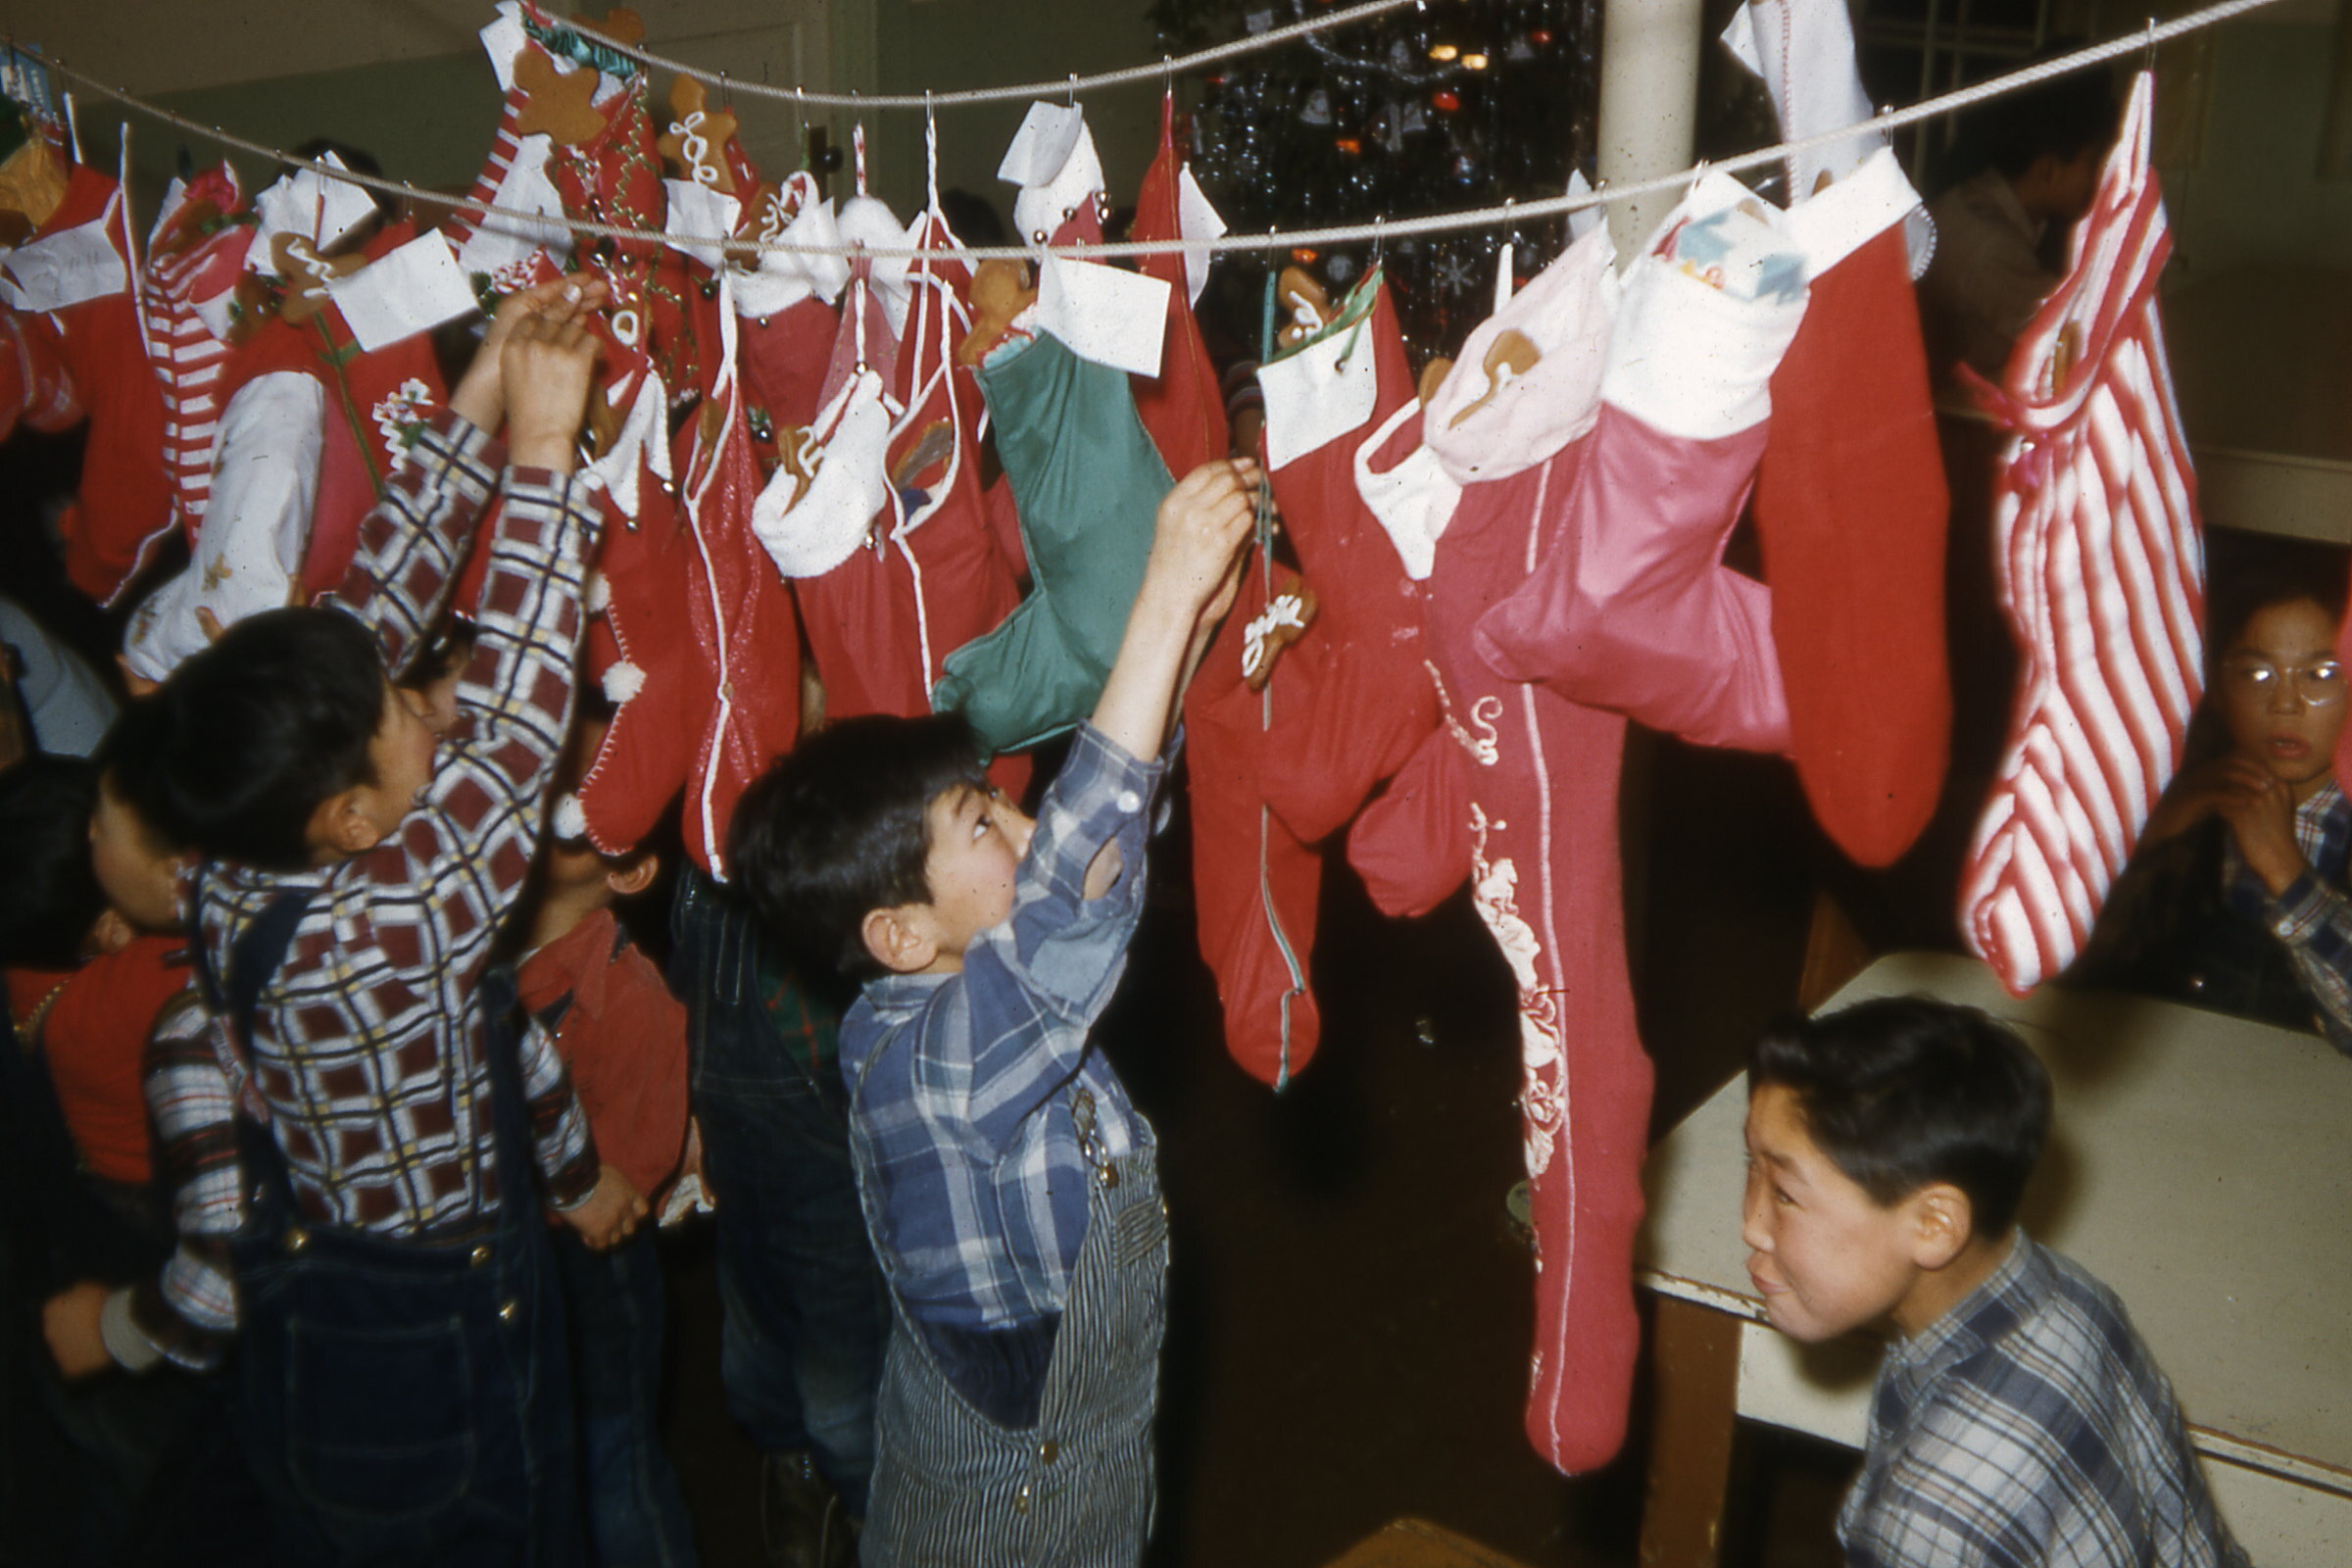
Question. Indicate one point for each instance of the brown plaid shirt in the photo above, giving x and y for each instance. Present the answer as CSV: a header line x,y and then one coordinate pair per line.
x,y
368,1046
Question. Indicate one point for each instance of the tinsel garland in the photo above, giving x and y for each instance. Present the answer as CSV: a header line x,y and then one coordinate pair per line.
x,y
1462,105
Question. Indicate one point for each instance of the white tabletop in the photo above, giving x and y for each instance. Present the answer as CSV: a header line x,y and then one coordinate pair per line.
x,y
2201,1165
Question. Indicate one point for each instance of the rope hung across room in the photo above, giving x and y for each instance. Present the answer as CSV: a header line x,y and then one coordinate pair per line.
x,y
1504,216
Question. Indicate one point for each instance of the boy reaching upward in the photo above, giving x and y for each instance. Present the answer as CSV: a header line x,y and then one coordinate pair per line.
x,y
1009,1187
2018,1419
399,1391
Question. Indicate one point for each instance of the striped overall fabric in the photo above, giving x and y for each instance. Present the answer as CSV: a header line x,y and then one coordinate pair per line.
x,y
2102,571
952,1489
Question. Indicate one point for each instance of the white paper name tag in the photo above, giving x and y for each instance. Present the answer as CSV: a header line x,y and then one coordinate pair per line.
x,y
1318,394
64,269
1104,314
413,289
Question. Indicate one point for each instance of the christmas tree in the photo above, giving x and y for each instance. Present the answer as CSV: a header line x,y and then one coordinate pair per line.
x,y
1452,105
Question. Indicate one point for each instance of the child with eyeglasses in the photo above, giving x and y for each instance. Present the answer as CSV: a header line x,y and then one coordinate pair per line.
x,y
2239,898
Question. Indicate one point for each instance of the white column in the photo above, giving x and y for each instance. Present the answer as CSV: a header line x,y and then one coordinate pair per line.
x,y
1648,104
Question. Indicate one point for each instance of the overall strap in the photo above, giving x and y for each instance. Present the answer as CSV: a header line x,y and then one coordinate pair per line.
x,y
256,954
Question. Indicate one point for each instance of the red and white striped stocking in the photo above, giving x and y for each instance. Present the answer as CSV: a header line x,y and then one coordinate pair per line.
x,y
2101,572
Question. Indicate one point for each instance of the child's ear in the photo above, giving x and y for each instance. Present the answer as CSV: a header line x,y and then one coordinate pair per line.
x,y
634,878
1942,1221
898,939
341,827
110,934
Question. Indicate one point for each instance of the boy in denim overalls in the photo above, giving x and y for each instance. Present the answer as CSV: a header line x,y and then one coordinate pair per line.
x,y
1009,1187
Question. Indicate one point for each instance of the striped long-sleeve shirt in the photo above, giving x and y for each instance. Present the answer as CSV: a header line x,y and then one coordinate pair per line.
x,y
368,1046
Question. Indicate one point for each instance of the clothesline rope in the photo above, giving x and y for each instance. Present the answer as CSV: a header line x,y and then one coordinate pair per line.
x,y
1508,214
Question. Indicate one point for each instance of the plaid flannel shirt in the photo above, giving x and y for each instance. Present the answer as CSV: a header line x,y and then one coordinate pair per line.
x,y
368,1046
2028,1425
964,1084
2313,917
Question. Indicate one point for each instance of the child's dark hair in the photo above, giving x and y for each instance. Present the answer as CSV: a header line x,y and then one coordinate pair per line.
x,y
2060,118
836,829
2268,572
49,895
248,737
1903,1090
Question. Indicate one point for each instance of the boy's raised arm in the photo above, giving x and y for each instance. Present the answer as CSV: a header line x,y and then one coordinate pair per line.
x,y
1189,583
411,545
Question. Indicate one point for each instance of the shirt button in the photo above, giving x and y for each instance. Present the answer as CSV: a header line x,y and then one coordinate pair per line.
x,y
1020,1500
297,1238
507,1309
1129,801
479,1255
1110,1176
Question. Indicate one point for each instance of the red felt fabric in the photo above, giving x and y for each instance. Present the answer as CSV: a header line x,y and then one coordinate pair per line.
x,y
623,1039
1850,510
95,1040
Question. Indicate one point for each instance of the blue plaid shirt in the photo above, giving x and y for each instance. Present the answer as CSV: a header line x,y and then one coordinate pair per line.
x,y
2313,917
2029,1425
964,1084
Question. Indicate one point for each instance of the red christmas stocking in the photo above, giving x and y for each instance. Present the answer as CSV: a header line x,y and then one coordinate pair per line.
x,y
1850,507
1632,609
1256,887
188,292
2101,572
1354,714
1541,819
1182,406
35,386
643,647
742,614
125,502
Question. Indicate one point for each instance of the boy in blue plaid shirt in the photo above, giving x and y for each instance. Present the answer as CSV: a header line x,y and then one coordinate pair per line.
x,y
2018,1419
1009,1187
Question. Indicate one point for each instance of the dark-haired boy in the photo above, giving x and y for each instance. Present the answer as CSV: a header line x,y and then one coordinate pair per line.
x,y
1009,1187
400,1370
2018,1418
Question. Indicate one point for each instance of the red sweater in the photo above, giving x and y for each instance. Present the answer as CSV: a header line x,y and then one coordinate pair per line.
x,y
95,1037
623,1037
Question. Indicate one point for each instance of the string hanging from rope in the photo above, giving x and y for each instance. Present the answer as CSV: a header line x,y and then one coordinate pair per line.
x,y
1510,214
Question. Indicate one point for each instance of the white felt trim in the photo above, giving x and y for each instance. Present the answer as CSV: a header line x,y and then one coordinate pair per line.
x,y
257,524
1830,226
868,220
834,514
1319,393
1486,425
1052,160
1415,501
1691,359
638,446
782,279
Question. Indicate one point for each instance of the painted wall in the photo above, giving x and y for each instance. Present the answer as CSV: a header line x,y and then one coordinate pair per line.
x,y
2252,197
404,79
934,44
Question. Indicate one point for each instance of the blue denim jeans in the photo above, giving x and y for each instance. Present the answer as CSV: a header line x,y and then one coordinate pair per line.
x,y
405,1401
807,1316
614,1301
